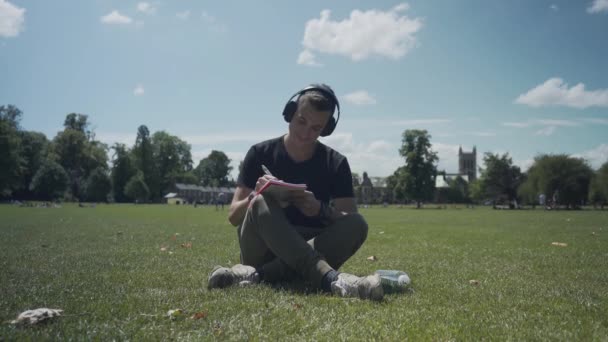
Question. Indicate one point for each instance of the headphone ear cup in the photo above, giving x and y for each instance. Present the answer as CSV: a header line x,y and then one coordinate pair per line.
x,y
289,110
329,127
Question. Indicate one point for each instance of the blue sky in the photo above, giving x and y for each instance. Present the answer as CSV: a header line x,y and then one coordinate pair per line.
x,y
523,77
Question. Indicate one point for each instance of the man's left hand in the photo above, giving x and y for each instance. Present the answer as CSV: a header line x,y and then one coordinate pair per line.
x,y
306,202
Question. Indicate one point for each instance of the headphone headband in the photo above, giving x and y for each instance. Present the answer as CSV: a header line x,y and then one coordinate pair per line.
x,y
292,105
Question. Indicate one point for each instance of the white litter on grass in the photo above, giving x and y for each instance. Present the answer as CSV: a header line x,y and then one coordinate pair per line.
x,y
36,316
175,313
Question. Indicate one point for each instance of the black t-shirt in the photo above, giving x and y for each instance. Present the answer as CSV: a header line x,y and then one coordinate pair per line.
x,y
327,174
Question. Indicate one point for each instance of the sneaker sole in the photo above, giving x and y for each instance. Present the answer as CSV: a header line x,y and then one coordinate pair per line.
x,y
220,278
376,292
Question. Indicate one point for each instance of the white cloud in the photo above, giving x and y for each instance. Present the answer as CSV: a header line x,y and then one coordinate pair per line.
x,y
360,97
546,131
420,122
378,158
517,124
146,7
549,125
448,156
596,156
597,121
381,158
364,34
110,138
598,6
308,58
543,122
525,164
208,17
379,146
368,123
483,134
185,15
213,139
212,22
11,19
555,92
115,17
464,133
559,123
554,7
139,90
401,7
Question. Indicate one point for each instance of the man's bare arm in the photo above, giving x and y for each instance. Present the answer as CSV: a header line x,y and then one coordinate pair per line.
x,y
238,207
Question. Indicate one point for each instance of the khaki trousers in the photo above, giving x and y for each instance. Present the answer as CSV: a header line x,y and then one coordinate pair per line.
x,y
284,251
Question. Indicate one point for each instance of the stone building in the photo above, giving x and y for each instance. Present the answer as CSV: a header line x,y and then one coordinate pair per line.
x,y
371,190
190,193
467,164
467,172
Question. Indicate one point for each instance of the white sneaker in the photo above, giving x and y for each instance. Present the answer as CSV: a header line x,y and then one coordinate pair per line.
x,y
348,285
222,277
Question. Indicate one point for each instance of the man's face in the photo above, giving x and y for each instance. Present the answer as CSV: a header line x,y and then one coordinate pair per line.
x,y
307,124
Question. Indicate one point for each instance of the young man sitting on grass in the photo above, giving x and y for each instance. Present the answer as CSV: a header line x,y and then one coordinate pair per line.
x,y
305,236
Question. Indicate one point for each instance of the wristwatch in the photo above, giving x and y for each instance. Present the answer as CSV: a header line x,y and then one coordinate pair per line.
x,y
325,213
251,196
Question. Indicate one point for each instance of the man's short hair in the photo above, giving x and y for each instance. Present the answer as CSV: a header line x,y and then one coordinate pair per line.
x,y
318,100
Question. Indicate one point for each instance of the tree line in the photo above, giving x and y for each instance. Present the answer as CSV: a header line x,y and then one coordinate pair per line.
x,y
74,165
561,179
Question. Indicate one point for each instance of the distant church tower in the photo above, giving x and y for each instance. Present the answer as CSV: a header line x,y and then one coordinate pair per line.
x,y
467,163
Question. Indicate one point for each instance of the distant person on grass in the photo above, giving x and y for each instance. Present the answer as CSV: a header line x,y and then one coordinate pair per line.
x,y
220,200
308,237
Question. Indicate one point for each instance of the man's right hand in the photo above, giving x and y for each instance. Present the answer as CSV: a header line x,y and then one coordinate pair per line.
x,y
262,181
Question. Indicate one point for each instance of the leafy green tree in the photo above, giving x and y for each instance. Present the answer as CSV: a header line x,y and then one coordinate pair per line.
x,y
396,184
77,122
34,149
143,156
69,146
136,188
417,179
475,191
561,177
214,170
187,178
96,156
527,193
123,169
50,181
172,158
11,115
98,185
10,147
458,191
78,152
500,178
598,192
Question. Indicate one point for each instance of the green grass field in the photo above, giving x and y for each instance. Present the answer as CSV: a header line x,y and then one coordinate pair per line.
x,y
105,268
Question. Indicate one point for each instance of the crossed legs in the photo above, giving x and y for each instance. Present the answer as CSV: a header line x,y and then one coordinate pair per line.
x,y
270,243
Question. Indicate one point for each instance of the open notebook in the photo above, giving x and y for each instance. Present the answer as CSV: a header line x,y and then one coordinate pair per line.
x,y
280,190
